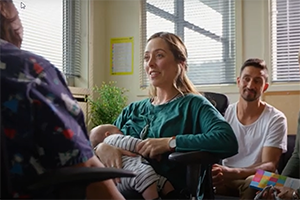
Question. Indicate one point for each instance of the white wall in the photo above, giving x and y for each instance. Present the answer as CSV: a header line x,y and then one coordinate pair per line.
x,y
121,18
97,43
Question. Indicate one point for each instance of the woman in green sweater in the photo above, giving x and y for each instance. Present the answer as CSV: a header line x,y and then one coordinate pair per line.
x,y
175,117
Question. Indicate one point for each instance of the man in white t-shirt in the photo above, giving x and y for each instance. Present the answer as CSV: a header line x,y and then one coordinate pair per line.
x,y
261,131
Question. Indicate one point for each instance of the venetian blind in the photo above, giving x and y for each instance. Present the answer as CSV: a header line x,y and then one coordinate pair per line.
x,y
208,30
285,23
52,30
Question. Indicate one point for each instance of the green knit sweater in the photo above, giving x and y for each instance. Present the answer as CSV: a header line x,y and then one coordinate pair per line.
x,y
195,122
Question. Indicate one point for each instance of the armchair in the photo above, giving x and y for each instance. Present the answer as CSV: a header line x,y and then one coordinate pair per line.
x,y
65,183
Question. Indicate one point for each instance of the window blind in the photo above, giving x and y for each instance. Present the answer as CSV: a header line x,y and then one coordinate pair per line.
x,y
51,30
208,30
285,40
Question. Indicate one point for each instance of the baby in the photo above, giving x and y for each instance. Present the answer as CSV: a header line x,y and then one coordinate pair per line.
x,y
146,182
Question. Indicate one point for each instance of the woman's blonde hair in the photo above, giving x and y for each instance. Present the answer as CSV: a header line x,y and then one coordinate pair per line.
x,y
7,32
182,83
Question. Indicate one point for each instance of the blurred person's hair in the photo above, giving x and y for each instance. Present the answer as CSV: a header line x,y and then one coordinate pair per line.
x,y
8,33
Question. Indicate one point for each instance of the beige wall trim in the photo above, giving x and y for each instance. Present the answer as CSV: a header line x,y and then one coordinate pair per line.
x,y
80,91
278,93
289,103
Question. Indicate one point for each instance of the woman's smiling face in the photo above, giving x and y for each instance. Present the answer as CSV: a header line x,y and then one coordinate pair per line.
x,y
159,63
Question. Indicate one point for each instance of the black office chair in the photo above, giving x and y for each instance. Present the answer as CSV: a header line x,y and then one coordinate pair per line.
x,y
196,161
65,183
220,101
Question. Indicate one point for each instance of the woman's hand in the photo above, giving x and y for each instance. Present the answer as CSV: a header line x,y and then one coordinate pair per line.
x,y
282,193
153,147
268,194
111,156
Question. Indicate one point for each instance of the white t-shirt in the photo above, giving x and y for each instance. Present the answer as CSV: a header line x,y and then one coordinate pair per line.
x,y
269,130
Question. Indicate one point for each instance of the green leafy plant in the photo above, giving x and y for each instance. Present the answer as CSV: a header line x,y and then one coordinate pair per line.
x,y
109,101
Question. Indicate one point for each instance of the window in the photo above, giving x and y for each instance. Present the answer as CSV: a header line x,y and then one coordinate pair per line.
x,y
208,30
52,30
285,23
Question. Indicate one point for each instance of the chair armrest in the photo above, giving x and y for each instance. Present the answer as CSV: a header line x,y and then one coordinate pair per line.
x,y
194,157
77,176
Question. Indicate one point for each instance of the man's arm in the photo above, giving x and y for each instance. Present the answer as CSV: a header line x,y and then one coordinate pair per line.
x,y
270,158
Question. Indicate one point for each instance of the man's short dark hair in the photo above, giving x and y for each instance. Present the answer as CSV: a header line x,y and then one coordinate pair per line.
x,y
257,63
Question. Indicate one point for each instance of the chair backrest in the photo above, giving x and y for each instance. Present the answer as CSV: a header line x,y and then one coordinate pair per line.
x,y
5,192
220,101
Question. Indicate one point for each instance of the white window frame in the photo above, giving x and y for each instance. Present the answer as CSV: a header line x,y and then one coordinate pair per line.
x,y
83,37
276,86
83,81
224,88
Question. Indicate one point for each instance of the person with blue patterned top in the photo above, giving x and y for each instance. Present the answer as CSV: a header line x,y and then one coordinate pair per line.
x,y
43,125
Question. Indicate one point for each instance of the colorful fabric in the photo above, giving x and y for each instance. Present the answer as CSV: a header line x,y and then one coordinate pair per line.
x,y
263,179
43,124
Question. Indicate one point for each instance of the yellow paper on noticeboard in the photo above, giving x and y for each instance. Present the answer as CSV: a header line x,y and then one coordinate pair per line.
x,y
121,56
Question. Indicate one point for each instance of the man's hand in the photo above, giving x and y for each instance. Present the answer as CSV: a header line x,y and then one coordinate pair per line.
x,y
217,175
153,147
221,173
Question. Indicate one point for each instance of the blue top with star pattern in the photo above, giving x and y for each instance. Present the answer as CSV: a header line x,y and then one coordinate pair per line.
x,y
43,124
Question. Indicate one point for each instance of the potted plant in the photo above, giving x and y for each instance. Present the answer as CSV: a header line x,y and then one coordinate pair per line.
x,y
108,102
